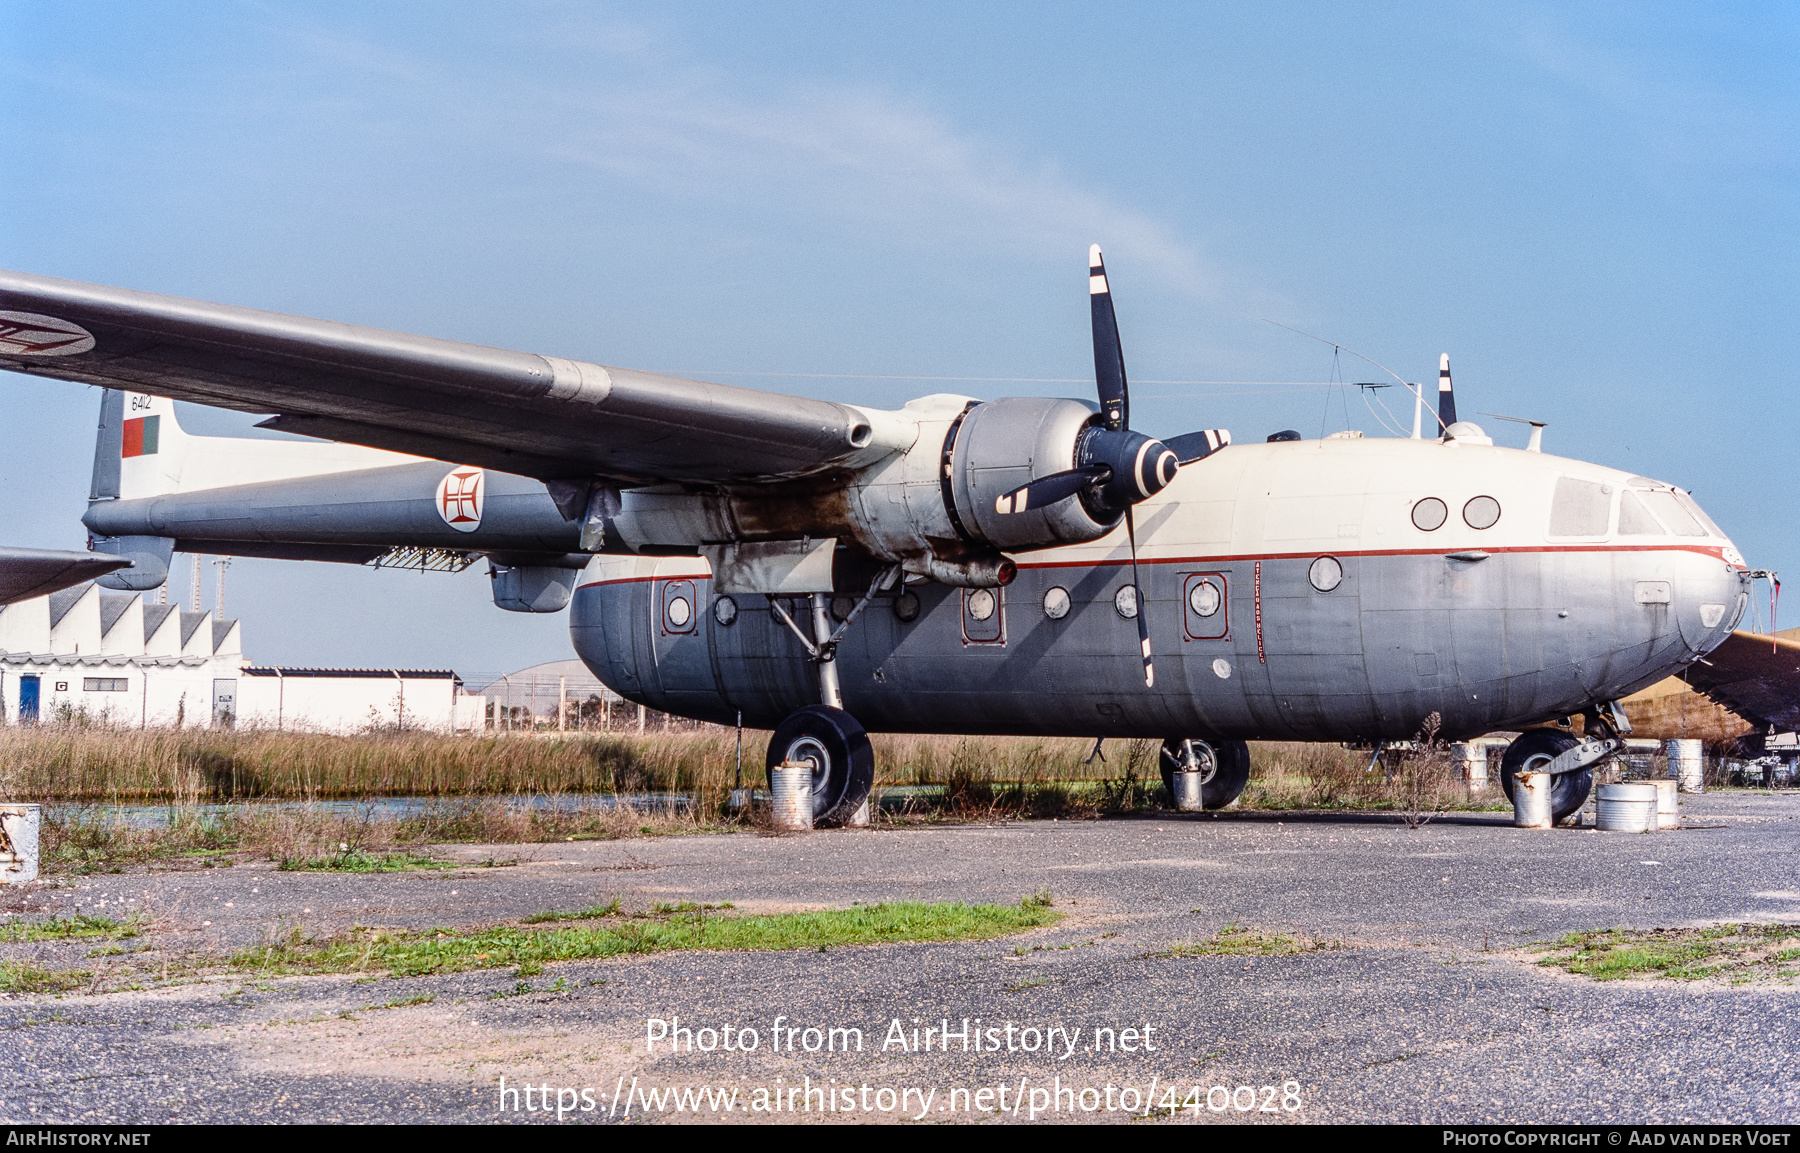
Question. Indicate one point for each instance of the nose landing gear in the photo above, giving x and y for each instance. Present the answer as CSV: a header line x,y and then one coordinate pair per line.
x,y
1224,767
1570,760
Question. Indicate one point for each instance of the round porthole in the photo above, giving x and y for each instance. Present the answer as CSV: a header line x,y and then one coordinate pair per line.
x,y
1430,514
1125,602
1203,598
906,607
725,611
981,604
1325,574
1482,512
842,607
1056,603
680,612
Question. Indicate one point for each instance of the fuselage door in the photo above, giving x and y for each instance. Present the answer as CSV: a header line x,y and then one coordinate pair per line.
x,y
984,616
1205,608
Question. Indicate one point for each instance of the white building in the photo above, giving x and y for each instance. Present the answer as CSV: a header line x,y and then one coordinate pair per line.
x,y
111,657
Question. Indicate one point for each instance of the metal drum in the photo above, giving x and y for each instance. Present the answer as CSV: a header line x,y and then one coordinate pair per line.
x,y
1629,807
1189,791
1668,805
791,784
18,844
1531,800
1687,765
1471,763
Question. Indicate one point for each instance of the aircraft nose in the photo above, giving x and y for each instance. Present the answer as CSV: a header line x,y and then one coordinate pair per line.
x,y
1707,599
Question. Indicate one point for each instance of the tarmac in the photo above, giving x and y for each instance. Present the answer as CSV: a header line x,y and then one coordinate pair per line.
x,y
1423,1002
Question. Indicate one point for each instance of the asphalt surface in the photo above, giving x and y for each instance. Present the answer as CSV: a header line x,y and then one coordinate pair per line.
x,y
1428,1007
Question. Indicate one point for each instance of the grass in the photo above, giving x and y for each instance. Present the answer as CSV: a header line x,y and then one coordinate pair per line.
x,y
1736,954
467,780
23,977
1239,941
79,927
611,934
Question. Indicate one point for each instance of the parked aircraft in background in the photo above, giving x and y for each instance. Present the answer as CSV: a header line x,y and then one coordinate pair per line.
x,y
1022,565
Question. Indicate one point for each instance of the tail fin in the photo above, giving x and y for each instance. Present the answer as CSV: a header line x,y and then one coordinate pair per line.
x,y
141,450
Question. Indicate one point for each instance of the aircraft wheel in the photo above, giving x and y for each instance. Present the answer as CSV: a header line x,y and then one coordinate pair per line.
x,y
838,747
1533,752
1224,768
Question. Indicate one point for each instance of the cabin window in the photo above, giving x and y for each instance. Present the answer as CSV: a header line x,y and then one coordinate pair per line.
x,y
1326,574
1580,508
1056,603
1430,514
1481,512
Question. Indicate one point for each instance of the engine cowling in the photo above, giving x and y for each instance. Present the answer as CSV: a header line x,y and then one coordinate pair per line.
x,y
1004,445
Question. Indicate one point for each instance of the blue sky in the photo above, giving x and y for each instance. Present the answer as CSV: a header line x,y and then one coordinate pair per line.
x,y
1592,209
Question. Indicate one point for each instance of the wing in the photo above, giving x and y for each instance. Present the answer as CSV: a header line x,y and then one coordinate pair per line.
x,y
35,572
1755,676
517,412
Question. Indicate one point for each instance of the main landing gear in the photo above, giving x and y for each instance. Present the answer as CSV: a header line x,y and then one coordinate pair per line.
x,y
1224,767
824,735
843,764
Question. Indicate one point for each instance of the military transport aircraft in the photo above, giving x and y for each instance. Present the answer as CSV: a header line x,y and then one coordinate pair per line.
x,y
1021,565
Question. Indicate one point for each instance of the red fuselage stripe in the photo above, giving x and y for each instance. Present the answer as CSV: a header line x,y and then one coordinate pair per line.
x,y
1703,550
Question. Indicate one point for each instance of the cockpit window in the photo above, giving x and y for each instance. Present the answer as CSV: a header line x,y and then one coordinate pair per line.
x,y
1635,519
1693,506
1669,510
1580,508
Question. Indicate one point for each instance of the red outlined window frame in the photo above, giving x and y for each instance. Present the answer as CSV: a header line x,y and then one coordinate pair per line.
x,y
1195,627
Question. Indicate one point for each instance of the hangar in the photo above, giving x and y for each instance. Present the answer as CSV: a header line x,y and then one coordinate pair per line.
x,y
87,655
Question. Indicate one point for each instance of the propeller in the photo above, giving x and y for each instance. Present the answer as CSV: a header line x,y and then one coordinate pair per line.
x,y
1115,405
1115,468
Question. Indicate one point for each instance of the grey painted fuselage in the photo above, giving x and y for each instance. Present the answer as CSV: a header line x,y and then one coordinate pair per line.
x,y
1491,629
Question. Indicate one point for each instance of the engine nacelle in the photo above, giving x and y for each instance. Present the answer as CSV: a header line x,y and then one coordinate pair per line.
x,y
1005,444
931,504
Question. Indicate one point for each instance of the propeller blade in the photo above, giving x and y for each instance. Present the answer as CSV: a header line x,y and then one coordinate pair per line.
x,y
1047,490
1192,446
1446,395
1109,356
1143,608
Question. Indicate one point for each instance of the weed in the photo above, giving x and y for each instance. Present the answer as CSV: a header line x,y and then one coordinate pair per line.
x,y
435,951
1737,953
356,861
1238,941
591,913
21,977
79,927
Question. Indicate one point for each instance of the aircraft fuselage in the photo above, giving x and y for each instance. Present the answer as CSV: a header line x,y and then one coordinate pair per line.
x,y
1338,617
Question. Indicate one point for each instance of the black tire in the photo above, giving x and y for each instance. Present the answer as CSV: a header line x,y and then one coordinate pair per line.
x,y
1231,771
1535,749
843,762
